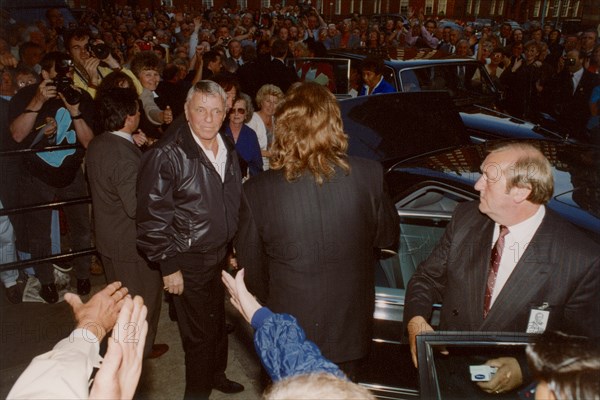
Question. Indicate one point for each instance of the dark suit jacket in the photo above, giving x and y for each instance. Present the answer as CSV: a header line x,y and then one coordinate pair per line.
x,y
561,267
573,109
112,168
280,75
308,250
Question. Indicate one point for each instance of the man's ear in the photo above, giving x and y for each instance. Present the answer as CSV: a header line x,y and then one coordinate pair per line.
x,y
520,194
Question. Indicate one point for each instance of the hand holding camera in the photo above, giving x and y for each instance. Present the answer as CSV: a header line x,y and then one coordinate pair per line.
x,y
46,91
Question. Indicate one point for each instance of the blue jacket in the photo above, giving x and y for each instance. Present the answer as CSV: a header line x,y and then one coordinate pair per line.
x,y
382,87
283,348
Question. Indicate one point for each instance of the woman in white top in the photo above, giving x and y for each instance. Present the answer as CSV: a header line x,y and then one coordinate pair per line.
x,y
262,122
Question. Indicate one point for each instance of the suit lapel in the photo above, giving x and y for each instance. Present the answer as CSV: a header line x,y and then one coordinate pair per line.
x,y
476,271
529,276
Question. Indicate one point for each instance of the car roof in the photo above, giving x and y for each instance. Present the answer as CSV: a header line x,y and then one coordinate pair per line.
x,y
406,57
396,126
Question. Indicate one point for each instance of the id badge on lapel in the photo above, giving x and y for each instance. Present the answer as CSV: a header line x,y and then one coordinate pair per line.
x,y
538,319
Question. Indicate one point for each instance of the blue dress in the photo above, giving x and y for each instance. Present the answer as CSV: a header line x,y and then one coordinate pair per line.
x,y
248,148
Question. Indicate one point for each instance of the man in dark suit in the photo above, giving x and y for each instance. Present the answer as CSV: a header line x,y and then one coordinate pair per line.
x,y
573,89
112,167
539,264
277,72
309,227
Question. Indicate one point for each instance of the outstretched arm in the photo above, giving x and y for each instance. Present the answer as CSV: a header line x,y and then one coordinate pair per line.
x,y
279,341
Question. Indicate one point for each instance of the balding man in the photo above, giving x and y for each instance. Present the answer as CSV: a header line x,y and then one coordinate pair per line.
x,y
506,258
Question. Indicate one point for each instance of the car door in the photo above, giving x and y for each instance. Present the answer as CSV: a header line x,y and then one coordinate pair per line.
x,y
424,211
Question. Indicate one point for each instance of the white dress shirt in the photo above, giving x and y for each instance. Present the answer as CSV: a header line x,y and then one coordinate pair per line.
x,y
515,244
124,135
220,160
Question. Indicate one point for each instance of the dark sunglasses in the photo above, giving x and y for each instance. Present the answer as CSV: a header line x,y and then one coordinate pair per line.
x,y
241,111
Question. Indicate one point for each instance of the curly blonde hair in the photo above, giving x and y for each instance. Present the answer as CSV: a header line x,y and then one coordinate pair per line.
x,y
309,134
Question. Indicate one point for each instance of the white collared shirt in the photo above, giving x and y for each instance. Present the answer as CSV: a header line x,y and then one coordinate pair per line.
x,y
124,135
220,161
576,78
515,244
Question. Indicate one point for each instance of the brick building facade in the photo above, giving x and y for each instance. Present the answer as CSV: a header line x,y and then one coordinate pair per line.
x,y
588,11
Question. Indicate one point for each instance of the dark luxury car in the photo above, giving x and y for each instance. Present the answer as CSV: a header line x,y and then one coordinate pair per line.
x,y
465,80
431,165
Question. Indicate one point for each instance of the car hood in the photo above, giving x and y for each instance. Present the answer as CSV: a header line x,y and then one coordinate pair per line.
x,y
392,127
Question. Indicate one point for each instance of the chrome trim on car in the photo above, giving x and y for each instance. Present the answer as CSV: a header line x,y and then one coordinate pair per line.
x,y
389,392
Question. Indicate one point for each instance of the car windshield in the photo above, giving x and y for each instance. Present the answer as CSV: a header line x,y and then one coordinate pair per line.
x,y
466,83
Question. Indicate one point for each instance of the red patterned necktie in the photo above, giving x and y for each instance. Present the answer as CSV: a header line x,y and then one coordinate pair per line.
x,y
493,272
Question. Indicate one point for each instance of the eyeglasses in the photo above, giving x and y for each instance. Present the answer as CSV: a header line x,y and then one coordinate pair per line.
x,y
241,111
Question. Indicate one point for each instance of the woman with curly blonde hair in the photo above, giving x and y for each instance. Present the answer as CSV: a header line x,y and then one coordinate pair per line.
x,y
309,135
309,226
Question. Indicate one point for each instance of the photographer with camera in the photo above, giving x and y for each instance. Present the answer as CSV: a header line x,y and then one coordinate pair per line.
x,y
93,61
52,113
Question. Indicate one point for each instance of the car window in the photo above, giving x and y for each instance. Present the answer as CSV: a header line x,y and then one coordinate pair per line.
x,y
418,237
432,198
389,75
424,215
459,80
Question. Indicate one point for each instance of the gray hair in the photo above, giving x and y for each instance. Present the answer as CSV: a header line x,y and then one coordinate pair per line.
x,y
208,88
249,107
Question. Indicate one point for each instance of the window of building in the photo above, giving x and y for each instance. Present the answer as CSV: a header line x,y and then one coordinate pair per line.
x,y
403,7
545,8
575,9
263,3
442,4
428,7
243,4
536,8
500,7
377,7
338,7
360,6
477,5
565,8
493,7
556,8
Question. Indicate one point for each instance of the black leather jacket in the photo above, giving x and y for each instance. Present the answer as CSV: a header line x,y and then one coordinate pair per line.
x,y
183,204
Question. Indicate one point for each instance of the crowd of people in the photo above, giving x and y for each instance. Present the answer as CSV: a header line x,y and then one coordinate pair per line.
x,y
187,180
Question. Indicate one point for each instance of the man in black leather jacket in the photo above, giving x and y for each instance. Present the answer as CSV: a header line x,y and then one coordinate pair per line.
x,y
189,190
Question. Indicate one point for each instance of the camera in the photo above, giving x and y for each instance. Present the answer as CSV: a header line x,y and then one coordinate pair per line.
x,y
63,83
226,40
569,62
99,50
